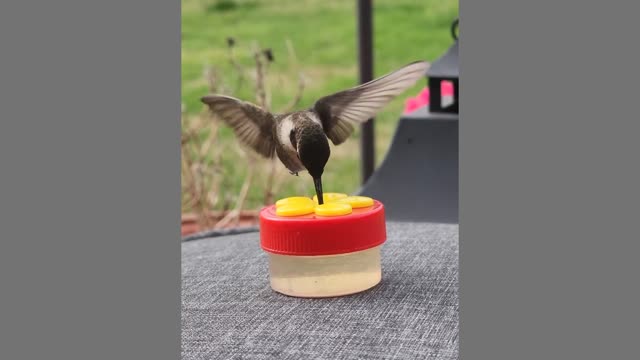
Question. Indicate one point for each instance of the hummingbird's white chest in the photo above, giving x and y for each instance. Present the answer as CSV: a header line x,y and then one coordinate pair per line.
x,y
289,123
286,126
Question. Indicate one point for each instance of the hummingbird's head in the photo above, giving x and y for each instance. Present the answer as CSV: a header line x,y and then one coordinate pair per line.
x,y
313,151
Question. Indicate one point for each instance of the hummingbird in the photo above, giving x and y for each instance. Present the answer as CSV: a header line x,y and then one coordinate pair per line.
x,y
300,138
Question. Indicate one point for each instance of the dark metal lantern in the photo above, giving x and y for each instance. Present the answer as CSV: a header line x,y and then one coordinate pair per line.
x,y
445,69
418,178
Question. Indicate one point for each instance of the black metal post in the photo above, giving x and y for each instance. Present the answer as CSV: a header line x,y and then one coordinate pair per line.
x,y
365,56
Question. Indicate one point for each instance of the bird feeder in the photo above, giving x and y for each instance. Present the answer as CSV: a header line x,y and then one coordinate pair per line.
x,y
324,250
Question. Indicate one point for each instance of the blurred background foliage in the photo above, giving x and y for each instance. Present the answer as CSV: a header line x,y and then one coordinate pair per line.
x,y
313,40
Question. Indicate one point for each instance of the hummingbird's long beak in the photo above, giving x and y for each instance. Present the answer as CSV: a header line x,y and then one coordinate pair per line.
x,y
318,183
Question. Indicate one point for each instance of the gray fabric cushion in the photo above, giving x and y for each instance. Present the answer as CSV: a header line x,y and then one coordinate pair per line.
x,y
230,312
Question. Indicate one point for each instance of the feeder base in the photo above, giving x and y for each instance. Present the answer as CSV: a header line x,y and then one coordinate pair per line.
x,y
325,275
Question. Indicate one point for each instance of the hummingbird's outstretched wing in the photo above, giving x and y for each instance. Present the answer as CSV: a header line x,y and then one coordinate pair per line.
x,y
338,112
252,125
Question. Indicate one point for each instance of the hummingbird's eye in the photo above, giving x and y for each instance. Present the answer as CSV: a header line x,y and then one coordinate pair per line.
x,y
292,138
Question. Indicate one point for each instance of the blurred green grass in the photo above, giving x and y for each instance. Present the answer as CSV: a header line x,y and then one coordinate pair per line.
x,y
323,33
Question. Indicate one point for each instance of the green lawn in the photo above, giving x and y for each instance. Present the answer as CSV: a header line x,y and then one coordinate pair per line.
x,y
323,33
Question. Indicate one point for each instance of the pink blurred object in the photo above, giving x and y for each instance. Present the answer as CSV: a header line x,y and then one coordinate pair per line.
x,y
411,104
446,88
422,99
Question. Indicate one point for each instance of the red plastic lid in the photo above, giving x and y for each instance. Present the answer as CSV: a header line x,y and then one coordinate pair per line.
x,y
311,234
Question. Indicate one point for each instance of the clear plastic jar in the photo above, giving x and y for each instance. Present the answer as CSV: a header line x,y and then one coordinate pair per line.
x,y
325,275
323,250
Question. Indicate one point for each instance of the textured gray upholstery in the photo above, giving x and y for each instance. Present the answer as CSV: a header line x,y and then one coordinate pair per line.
x,y
230,312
